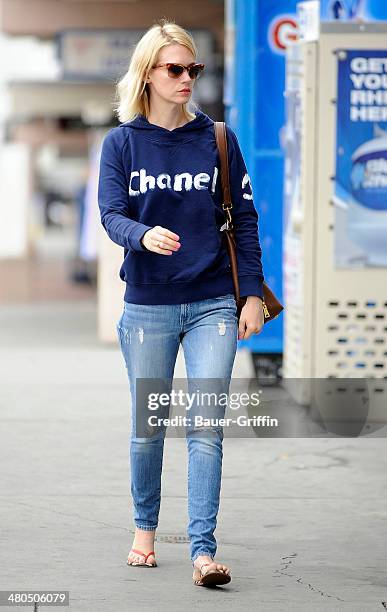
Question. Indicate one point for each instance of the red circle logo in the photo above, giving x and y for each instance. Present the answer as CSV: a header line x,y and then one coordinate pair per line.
x,y
284,32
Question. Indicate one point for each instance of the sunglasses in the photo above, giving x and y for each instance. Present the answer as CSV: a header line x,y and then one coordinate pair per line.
x,y
176,70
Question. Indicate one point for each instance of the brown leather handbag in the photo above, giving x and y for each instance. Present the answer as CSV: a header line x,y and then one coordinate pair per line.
x,y
271,305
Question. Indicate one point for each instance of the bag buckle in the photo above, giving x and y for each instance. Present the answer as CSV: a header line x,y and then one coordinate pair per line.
x,y
228,219
227,206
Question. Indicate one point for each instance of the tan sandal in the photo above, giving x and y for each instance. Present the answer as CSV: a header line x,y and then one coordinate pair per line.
x,y
144,564
211,577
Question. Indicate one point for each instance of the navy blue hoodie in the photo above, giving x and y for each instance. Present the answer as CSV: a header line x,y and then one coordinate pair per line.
x,y
149,176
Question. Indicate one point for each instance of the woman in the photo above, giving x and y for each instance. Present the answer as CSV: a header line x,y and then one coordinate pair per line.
x,y
160,198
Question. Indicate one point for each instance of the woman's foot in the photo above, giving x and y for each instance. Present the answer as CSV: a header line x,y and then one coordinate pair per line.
x,y
144,542
217,573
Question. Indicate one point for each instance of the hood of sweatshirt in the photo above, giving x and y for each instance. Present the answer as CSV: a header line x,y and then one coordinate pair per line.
x,y
160,134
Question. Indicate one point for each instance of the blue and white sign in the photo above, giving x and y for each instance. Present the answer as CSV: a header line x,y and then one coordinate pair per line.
x,y
353,10
361,159
95,54
104,55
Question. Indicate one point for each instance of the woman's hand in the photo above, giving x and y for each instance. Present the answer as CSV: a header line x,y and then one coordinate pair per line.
x,y
161,240
251,319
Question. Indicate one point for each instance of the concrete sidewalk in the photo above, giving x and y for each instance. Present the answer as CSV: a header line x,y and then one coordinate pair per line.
x,y
302,522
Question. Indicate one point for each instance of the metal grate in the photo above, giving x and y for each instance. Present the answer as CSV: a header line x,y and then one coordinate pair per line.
x,y
357,339
172,539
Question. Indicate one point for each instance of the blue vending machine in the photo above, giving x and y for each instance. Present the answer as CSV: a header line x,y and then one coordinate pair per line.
x,y
257,33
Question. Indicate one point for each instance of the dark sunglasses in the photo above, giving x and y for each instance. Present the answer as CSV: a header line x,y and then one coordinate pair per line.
x,y
176,70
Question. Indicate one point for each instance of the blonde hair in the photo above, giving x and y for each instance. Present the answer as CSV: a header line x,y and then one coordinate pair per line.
x,y
132,91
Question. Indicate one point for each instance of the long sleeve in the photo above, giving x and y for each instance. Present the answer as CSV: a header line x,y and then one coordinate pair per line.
x,y
113,198
245,221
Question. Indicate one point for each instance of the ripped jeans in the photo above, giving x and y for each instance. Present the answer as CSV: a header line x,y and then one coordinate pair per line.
x,y
149,337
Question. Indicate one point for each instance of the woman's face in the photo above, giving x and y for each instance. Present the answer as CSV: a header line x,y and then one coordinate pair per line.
x,y
168,89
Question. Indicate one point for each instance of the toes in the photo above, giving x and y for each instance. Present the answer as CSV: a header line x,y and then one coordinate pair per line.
x,y
133,558
213,566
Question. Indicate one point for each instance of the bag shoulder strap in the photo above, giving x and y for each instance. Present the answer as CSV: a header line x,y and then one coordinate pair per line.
x,y
221,141
271,306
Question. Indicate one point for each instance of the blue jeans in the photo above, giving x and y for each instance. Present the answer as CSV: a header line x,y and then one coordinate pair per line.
x,y
149,337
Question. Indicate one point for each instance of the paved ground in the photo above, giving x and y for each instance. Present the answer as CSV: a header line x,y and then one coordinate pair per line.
x,y
303,522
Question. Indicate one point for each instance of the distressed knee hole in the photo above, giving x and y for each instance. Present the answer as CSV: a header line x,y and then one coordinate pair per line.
x,y
124,334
